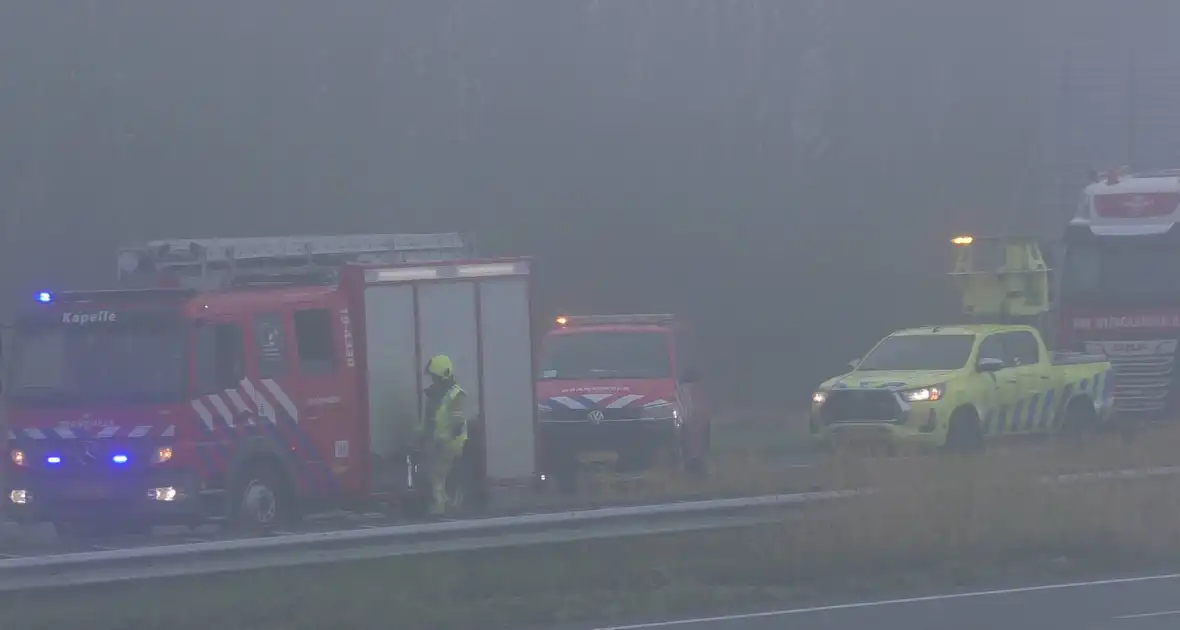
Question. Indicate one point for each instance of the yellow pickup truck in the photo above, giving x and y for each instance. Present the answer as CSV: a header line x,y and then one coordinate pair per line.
x,y
953,387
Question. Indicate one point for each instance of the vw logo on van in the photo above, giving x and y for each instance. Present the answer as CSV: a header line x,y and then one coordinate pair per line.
x,y
596,417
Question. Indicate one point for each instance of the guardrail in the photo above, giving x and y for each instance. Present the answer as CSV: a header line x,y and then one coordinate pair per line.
x,y
497,532
209,557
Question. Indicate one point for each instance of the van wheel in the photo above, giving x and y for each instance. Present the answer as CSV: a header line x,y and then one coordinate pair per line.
x,y
262,498
964,435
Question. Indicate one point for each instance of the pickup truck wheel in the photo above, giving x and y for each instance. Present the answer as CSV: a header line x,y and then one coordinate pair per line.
x,y
1080,418
964,435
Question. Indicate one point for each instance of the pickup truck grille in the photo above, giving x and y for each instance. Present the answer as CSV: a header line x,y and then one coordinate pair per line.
x,y
860,405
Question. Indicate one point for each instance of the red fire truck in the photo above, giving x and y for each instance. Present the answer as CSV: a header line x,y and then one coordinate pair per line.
x,y
272,378
1120,291
621,388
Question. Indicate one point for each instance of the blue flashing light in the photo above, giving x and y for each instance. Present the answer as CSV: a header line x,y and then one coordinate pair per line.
x,y
119,459
53,459
45,297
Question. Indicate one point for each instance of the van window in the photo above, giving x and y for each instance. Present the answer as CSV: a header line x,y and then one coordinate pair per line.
x,y
220,360
270,344
313,336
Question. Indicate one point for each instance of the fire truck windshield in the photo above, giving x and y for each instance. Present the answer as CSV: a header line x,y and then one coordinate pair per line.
x,y
606,354
1132,272
59,362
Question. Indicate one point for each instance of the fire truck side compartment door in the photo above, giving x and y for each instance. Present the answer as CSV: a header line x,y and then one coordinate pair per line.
x,y
508,405
392,370
446,325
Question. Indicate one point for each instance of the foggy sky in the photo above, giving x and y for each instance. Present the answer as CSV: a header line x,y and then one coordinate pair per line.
x,y
785,173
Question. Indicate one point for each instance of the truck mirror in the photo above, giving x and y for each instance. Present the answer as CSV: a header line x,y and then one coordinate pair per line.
x,y
690,375
989,365
854,362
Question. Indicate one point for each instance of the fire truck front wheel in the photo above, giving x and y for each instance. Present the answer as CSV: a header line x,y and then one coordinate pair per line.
x,y
262,498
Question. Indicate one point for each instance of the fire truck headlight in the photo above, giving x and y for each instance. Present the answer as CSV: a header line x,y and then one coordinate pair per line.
x,y
162,454
20,497
163,494
664,411
18,457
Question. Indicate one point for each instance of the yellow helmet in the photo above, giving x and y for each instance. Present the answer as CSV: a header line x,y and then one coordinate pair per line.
x,y
440,366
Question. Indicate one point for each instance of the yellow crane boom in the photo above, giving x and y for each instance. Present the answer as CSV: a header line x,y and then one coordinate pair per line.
x,y
1001,279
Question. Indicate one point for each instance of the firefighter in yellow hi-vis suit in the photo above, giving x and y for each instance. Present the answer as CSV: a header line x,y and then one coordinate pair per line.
x,y
442,430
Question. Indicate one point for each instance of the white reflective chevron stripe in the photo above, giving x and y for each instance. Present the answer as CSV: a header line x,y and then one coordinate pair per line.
x,y
105,432
264,408
281,396
656,403
568,402
236,399
596,398
624,401
219,405
203,414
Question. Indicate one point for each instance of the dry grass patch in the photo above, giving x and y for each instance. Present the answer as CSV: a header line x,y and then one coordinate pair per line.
x,y
937,522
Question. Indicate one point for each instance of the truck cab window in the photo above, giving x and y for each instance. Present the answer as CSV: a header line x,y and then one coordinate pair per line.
x,y
313,336
270,344
220,357
1022,346
993,348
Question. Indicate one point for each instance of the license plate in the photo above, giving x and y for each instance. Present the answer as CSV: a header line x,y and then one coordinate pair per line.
x,y
90,491
600,457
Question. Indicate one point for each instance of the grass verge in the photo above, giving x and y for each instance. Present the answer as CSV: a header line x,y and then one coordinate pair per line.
x,y
943,522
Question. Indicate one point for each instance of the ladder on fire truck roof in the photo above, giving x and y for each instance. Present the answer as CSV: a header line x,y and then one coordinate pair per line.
x,y
1006,283
208,263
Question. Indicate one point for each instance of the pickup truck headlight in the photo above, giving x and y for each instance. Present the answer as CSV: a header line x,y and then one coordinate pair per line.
x,y
933,393
818,398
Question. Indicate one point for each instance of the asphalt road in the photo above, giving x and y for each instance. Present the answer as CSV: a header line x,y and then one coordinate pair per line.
x,y
1139,603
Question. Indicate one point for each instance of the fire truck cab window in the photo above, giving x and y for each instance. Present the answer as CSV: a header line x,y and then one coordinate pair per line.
x,y
1123,271
313,336
220,357
270,344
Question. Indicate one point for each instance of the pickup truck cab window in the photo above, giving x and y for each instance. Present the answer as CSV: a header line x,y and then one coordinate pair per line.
x,y
1022,347
992,347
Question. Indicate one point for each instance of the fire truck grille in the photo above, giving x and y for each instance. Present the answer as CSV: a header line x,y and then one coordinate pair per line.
x,y
1142,383
583,415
